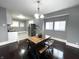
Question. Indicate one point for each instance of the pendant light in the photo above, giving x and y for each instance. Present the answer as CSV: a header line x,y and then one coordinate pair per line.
x,y
37,15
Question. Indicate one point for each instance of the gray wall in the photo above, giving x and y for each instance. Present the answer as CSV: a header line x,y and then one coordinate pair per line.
x,y
26,25
3,25
40,23
73,23
58,34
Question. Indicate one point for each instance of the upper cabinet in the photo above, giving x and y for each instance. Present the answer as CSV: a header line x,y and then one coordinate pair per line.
x,y
3,25
9,18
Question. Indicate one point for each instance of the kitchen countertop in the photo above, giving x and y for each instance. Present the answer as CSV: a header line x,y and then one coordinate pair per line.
x,y
15,37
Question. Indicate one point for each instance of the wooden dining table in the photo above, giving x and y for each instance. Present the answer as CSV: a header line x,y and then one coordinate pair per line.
x,y
36,40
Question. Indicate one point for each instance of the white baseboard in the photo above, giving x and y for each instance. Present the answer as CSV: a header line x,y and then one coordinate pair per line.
x,y
65,41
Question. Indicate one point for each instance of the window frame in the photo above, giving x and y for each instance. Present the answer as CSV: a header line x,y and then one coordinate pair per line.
x,y
15,24
48,24
21,24
59,29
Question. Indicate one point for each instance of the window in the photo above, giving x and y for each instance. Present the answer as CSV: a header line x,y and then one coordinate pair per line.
x,y
49,25
15,24
31,22
21,24
60,25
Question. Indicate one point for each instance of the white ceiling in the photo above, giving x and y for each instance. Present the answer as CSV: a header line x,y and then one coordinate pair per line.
x,y
28,7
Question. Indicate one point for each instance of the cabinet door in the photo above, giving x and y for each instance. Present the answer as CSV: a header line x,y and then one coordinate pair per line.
x,y
3,25
9,18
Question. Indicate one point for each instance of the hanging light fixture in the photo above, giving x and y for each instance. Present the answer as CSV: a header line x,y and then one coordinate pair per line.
x,y
37,15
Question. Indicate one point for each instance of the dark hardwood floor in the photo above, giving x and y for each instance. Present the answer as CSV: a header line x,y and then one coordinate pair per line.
x,y
58,50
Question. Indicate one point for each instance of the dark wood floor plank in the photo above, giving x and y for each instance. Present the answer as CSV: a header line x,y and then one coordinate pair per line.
x,y
58,50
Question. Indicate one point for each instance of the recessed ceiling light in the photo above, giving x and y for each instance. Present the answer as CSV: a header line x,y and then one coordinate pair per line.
x,y
19,16
31,22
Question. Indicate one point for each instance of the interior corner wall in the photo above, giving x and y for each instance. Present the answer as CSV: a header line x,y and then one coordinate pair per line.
x,y
3,25
73,23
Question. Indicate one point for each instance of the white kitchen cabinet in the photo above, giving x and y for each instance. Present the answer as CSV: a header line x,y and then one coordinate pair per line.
x,y
9,18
